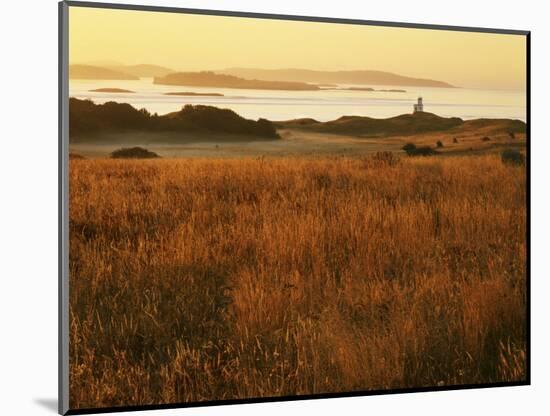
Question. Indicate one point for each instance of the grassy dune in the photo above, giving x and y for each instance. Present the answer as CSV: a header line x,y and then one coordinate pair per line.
x,y
211,279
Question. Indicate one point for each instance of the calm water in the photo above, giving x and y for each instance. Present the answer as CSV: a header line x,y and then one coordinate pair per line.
x,y
321,105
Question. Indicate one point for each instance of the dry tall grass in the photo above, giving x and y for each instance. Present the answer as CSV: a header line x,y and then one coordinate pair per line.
x,y
197,280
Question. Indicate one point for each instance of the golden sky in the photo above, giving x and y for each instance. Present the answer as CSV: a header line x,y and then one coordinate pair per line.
x,y
194,42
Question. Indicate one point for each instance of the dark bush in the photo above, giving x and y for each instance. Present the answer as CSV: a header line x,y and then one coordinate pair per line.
x,y
439,143
133,153
512,157
455,140
424,151
412,150
512,135
486,139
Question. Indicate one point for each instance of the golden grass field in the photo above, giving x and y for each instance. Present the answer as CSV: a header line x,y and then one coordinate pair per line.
x,y
207,279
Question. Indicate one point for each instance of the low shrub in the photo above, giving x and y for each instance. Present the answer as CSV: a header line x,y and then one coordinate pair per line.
x,y
412,150
512,157
409,147
133,153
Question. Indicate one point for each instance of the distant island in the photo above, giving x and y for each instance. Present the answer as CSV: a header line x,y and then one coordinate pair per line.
x,y
251,78
195,94
364,89
96,72
392,90
211,79
121,90
334,77
358,89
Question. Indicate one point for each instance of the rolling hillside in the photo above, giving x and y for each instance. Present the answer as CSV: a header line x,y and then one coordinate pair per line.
x,y
334,77
97,72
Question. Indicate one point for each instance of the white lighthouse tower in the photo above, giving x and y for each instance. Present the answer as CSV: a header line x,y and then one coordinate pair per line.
x,y
419,106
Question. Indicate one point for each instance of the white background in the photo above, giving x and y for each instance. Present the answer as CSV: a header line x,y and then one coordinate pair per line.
x,y
28,205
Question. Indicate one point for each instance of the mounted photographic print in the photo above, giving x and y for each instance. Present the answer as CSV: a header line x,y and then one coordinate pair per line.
x,y
263,207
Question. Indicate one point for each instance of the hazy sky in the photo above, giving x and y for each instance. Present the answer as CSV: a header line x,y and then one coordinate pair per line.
x,y
194,42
